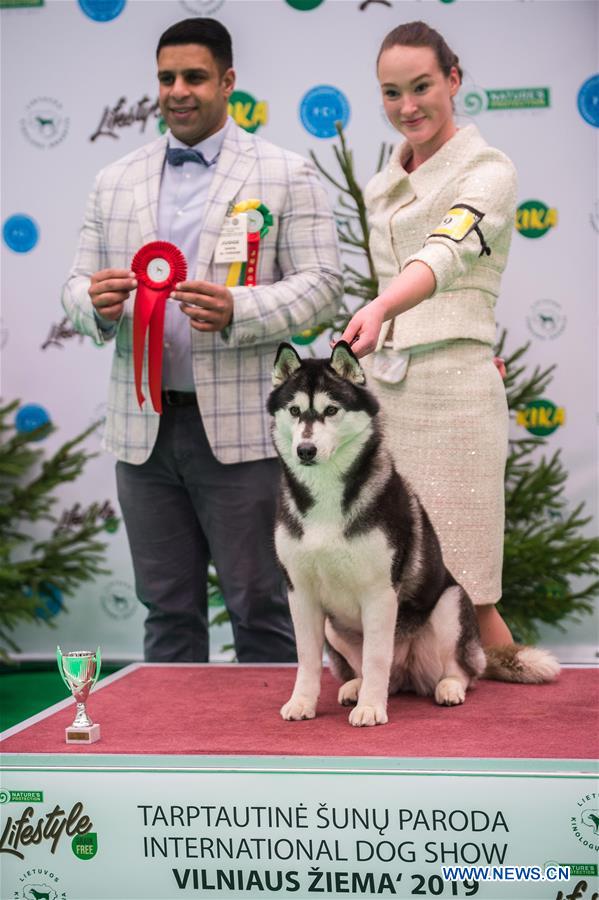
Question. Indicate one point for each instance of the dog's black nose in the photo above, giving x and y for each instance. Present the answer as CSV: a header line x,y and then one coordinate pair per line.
x,y
306,451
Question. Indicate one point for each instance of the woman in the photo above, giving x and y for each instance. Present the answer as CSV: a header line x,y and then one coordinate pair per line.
x,y
441,216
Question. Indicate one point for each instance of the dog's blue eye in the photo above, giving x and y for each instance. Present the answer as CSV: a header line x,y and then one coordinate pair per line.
x,y
331,411
295,411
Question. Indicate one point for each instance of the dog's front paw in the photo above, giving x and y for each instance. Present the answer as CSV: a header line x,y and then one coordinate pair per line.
x,y
298,708
368,715
450,692
348,692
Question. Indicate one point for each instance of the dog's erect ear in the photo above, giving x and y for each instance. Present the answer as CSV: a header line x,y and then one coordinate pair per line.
x,y
346,364
286,363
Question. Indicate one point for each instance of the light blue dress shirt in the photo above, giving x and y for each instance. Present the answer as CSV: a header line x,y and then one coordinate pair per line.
x,y
181,207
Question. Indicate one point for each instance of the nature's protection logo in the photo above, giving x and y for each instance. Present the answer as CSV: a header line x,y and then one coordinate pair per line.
x,y
546,319
15,4
102,10
321,107
44,123
20,233
304,5
541,417
534,218
474,100
247,112
588,100
21,796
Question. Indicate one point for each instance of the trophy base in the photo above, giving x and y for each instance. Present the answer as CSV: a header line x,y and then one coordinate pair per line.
x,y
82,735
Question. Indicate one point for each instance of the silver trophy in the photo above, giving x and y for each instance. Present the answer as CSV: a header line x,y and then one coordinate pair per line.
x,y
80,670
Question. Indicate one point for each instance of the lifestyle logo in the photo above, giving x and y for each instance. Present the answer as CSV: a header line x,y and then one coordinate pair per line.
x,y
63,331
23,831
122,115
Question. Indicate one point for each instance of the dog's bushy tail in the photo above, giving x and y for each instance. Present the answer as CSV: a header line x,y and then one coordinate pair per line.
x,y
517,662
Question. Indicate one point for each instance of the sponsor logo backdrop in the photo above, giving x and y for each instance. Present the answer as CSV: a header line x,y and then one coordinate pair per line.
x,y
81,92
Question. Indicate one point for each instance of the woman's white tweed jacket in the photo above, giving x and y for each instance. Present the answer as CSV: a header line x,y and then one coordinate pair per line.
x,y
405,210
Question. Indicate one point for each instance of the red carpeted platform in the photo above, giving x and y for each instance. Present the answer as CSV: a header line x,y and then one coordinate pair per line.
x,y
222,710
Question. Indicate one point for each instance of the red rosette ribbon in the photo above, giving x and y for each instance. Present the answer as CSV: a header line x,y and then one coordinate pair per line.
x,y
158,267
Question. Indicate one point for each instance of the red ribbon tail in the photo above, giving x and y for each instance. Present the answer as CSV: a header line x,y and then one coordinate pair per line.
x,y
155,344
144,307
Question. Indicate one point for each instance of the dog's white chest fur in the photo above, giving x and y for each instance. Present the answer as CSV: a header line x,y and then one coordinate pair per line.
x,y
342,572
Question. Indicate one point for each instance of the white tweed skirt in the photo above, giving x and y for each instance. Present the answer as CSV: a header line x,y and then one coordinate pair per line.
x,y
446,425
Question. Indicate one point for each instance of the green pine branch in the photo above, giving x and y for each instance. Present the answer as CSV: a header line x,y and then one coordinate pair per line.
x,y
28,562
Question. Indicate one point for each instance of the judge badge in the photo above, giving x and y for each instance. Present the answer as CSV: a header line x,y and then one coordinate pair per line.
x,y
459,222
158,267
257,221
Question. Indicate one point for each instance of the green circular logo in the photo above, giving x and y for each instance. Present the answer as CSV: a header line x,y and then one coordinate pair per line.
x,y
305,5
85,846
541,417
534,219
247,112
162,126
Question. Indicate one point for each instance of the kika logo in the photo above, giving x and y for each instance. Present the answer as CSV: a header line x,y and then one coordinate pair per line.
x,y
39,884
585,824
123,115
474,100
534,218
77,517
44,123
247,112
61,332
25,830
541,417
546,319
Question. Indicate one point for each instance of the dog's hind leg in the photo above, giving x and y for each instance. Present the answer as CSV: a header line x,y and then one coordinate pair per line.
x,y
449,656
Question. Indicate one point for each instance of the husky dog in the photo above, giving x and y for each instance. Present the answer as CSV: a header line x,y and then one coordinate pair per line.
x,y
362,561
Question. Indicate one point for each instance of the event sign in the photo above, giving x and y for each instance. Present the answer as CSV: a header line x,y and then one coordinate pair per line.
x,y
162,827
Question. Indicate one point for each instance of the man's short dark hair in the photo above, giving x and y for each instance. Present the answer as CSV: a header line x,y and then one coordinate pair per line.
x,y
206,32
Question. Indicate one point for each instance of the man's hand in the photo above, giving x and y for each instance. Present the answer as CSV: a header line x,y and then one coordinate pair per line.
x,y
109,289
209,306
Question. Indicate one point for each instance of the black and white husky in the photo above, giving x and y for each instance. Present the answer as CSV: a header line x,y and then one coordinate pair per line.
x,y
362,561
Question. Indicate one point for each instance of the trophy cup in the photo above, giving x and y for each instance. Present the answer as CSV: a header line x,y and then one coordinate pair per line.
x,y
80,670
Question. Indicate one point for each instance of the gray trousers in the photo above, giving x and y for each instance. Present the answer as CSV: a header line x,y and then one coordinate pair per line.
x,y
183,508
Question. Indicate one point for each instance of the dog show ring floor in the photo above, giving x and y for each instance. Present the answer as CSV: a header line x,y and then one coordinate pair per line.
x,y
197,788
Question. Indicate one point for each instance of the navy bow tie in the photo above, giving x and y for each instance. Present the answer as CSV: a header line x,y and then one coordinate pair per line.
x,y
176,156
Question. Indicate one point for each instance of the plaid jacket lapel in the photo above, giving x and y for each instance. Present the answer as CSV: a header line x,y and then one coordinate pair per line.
x,y
235,163
147,189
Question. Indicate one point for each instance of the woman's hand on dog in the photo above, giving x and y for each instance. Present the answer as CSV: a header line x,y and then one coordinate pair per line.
x,y
362,332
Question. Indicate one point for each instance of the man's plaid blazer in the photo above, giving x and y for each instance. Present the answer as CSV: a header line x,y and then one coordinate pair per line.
x,y
299,284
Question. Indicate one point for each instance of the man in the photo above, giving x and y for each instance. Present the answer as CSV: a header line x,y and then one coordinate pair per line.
x,y
199,482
